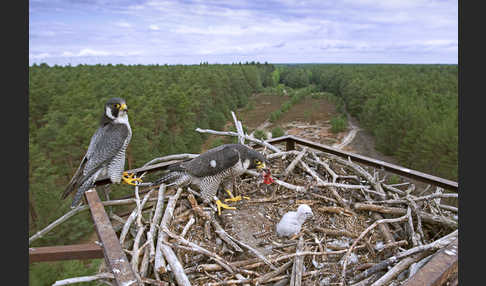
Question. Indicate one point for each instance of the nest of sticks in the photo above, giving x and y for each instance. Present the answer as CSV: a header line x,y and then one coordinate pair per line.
x,y
364,231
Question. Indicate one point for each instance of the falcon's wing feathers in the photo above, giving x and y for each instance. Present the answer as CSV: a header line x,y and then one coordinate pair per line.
x,y
78,175
75,179
105,147
212,162
96,156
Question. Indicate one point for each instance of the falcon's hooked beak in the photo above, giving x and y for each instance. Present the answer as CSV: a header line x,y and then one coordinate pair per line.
x,y
260,165
123,107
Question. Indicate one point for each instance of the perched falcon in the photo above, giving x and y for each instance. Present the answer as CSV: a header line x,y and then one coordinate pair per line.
x,y
291,222
106,152
213,167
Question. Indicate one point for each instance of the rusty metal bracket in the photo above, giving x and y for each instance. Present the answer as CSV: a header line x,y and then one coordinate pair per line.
x,y
115,257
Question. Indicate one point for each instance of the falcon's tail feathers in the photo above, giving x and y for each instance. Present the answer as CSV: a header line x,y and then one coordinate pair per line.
x,y
68,190
169,177
76,180
83,188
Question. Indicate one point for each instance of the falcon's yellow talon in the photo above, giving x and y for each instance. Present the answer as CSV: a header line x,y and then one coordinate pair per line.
x,y
233,199
220,205
129,179
229,192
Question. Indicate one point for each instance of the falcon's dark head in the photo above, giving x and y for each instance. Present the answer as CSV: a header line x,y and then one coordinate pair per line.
x,y
257,160
116,108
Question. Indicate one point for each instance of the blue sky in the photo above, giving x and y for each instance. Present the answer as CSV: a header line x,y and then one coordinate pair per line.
x,y
217,31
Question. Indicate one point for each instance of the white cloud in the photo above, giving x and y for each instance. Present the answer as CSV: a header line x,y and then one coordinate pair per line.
x,y
286,30
90,52
440,42
123,24
39,56
214,48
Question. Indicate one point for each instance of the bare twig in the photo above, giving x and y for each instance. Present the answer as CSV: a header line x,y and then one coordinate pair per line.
x,y
239,129
335,232
296,276
254,251
224,235
159,265
426,217
294,162
264,278
132,217
83,279
155,220
75,211
249,138
194,247
188,225
345,258
169,254
398,268
326,166
442,242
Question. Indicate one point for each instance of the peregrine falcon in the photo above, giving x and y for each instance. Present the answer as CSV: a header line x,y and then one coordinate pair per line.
x,y
213,167
106,152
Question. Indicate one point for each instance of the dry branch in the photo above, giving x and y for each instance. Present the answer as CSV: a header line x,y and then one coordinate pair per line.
x,y
398,268
426,217
294,162
75,211
345,258
249,138
442,242
251,249
336,210
155,220
239,129
296,276
160,264
76,280
188,225
335,232
169,254
269,275
133,215
196,248
224,235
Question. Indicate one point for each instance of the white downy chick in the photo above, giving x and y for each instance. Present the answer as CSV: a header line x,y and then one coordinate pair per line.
x,y
291,222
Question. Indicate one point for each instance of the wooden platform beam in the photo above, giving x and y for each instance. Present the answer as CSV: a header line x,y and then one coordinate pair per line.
x,y
438,269
427,178
115,257
65,252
